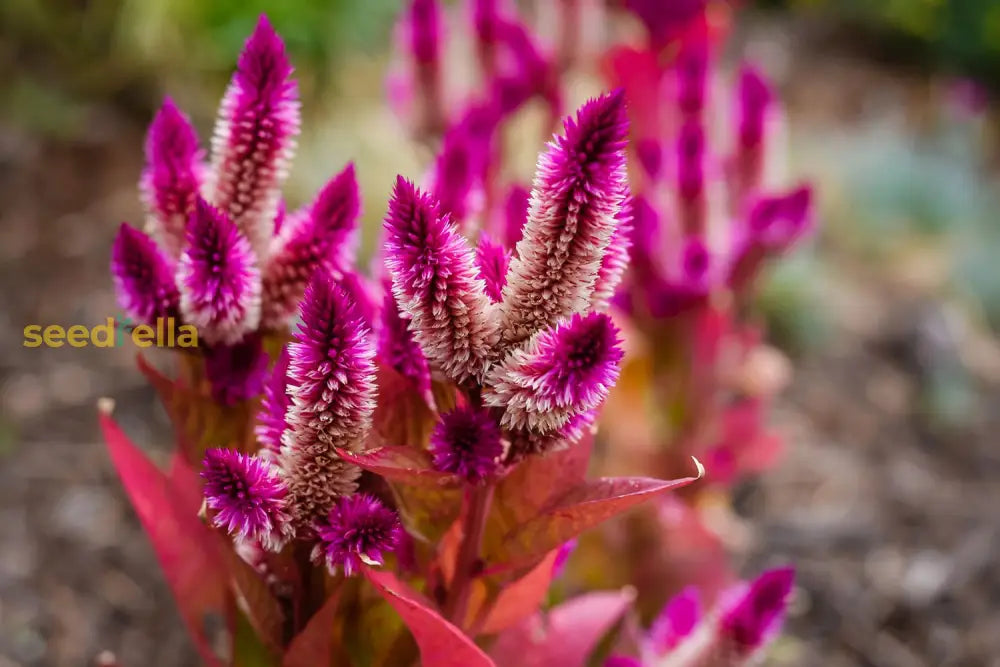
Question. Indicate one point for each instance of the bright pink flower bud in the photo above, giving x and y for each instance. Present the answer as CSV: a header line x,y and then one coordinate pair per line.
x,y
323,236
218,278
247,496
173,176
562,372
143,276
359,530
254,136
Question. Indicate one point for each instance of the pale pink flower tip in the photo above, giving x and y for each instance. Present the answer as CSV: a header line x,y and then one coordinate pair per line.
x,y
254,136
578,192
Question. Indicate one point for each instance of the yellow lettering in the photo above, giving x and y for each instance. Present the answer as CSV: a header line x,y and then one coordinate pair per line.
x,y
53,335
108,329
188,336
142,335
77,335
32,335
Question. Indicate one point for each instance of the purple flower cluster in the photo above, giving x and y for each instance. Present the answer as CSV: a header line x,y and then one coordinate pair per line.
x,y
218,252
517,329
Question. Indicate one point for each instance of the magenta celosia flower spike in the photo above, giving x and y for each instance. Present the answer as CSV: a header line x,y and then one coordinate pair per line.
x,y
578,192
436,282
273,408
615,260
466,442
247,497
398,349
755,617
421,33
218,277
358,530
331,377
254,136
323,235
666,20
492,259
173,176
561,373
144,279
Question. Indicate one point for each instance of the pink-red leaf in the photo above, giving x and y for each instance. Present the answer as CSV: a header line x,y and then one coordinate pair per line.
x,y
186,548
314,645
520,599
573,512
441,643
405,465
566,635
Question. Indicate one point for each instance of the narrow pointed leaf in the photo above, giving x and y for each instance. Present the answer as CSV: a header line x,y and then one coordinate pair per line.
x,y
581,508
186,548
520,599
441,643
405,465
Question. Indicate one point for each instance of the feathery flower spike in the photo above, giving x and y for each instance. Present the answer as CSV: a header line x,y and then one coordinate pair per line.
x,y
273,408
562,373
324,235
218,277
331,374
358,530
466,442
436,282
173,176
247,496
615,260
666,20
492,259
398,349
144,280
254,136
579,189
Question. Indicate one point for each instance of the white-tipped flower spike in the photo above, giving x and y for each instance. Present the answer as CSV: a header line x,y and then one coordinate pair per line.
x,y
562,372
218,278
173,176
331,378
254,136
578,192
323,236
615,260
436,281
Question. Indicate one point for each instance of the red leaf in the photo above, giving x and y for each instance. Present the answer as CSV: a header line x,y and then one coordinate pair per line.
x,y
582,507
441,643
566,635
406,465
520,599
314,645
186,548
531,486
